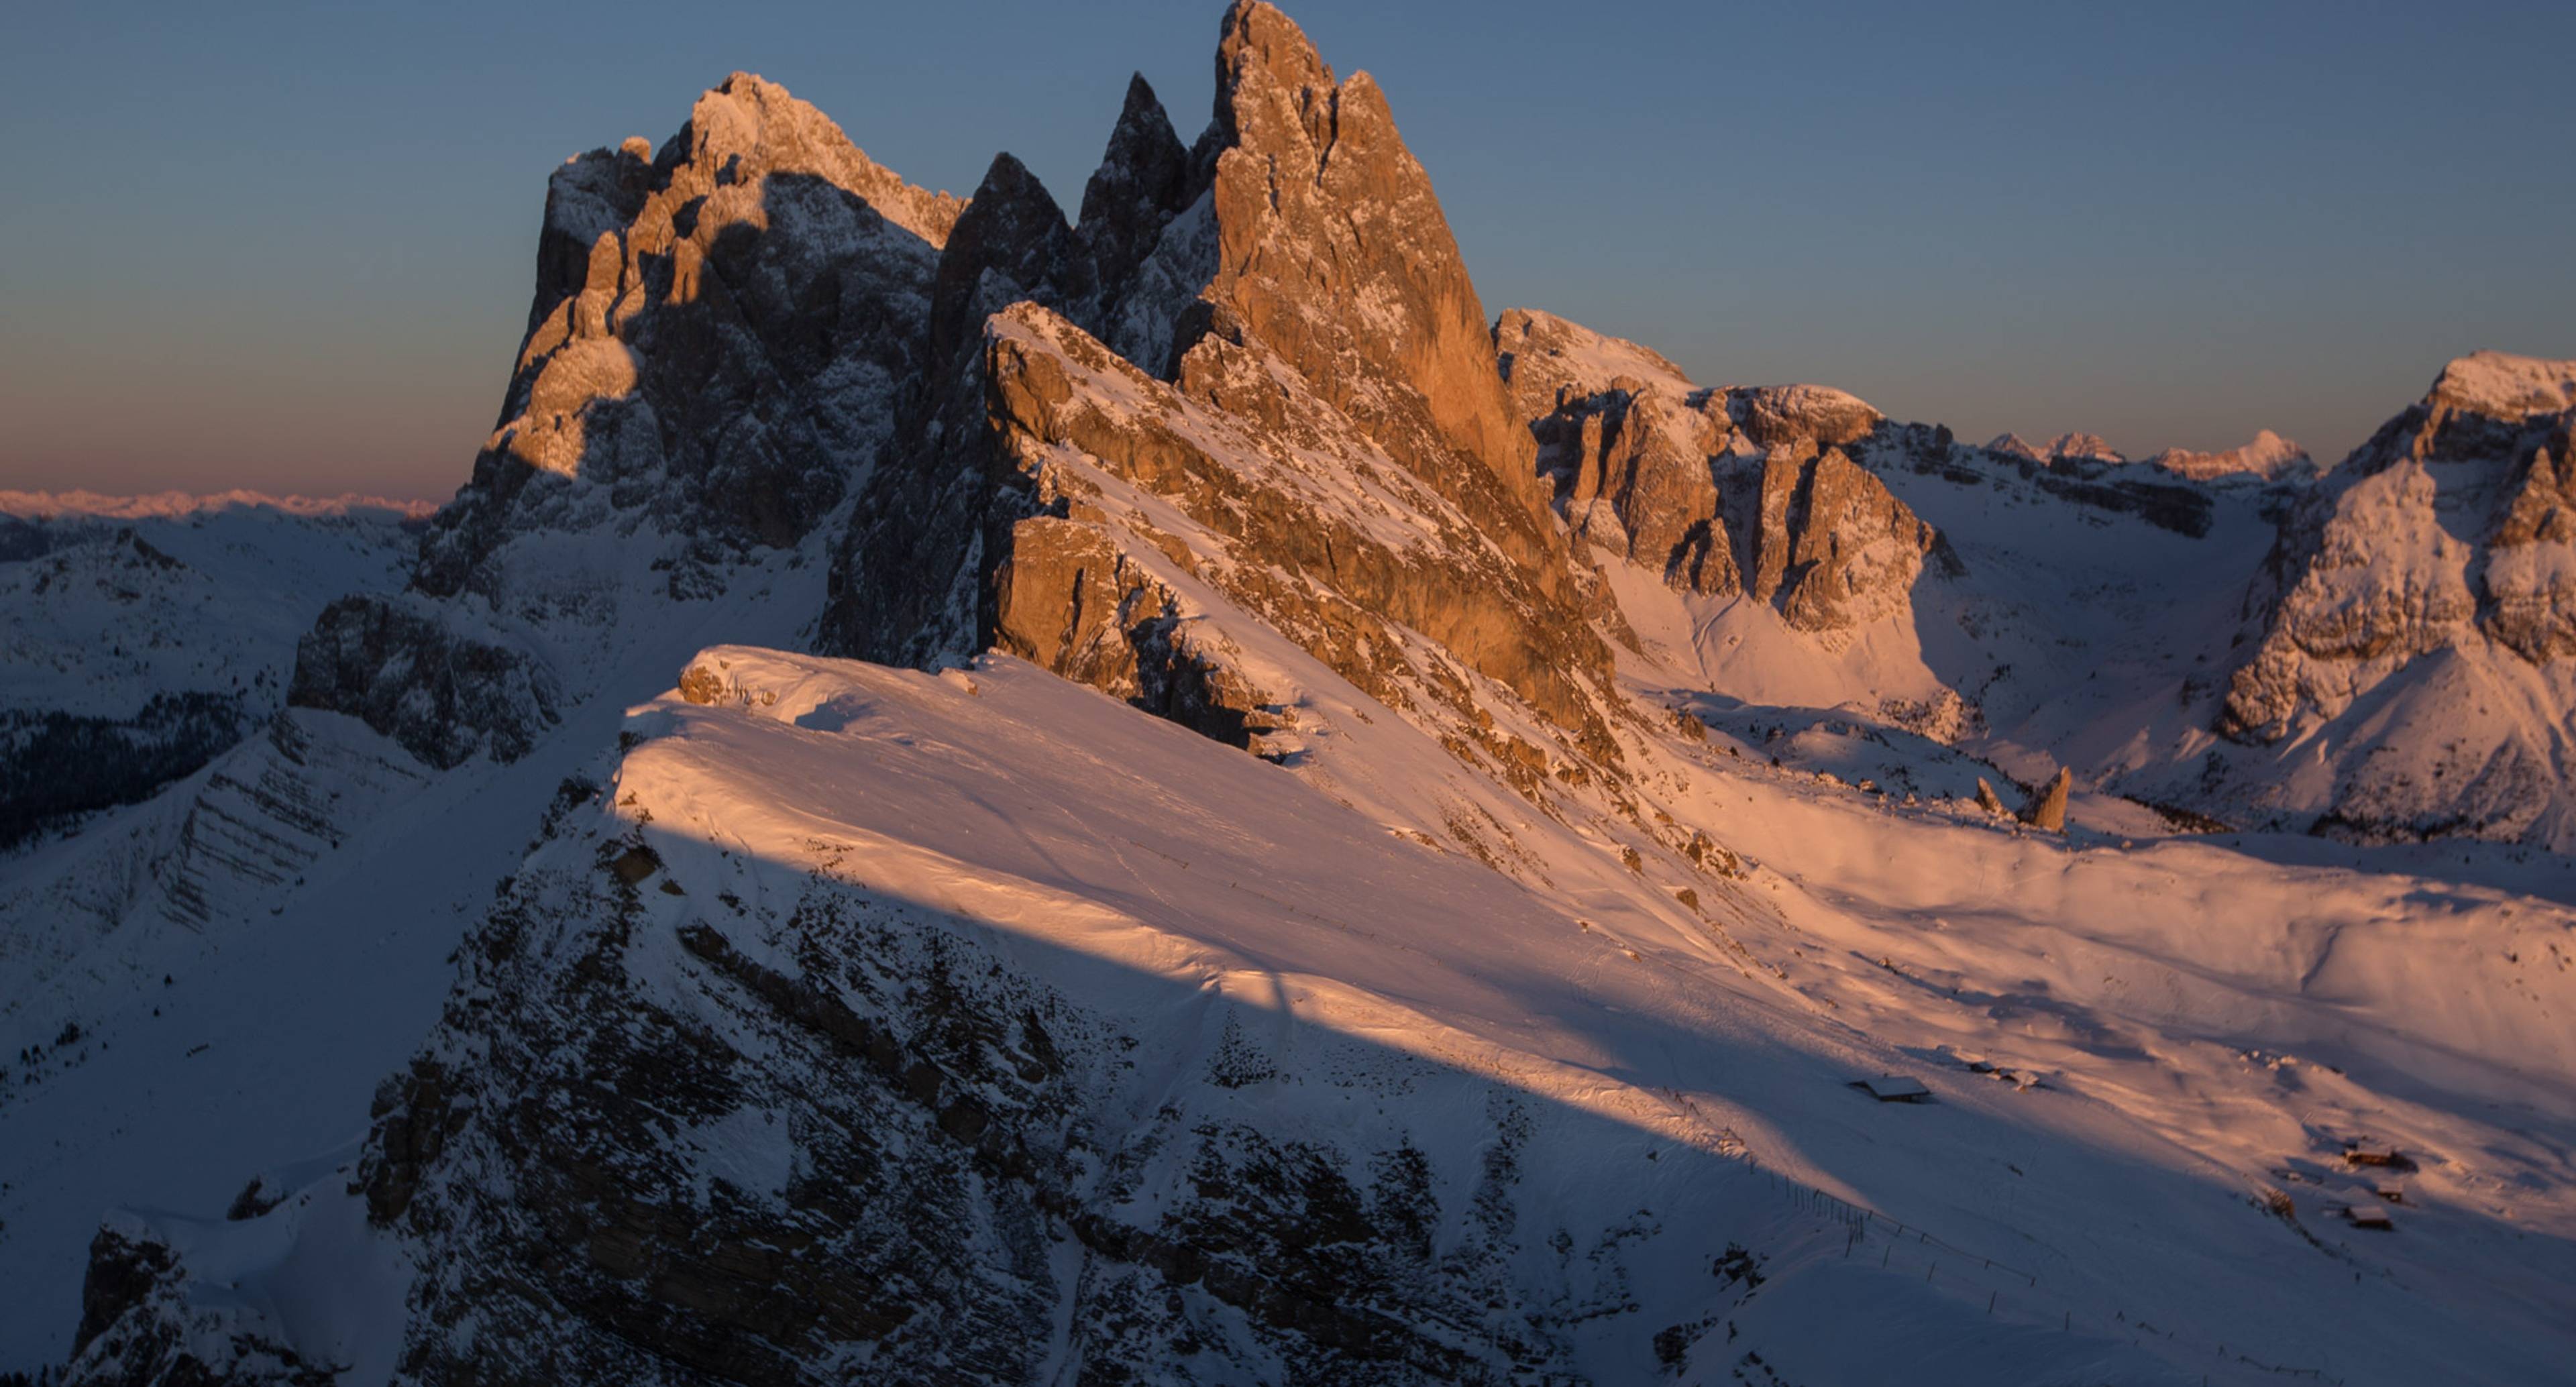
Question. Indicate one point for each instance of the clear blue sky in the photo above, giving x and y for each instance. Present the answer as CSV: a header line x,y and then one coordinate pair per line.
x,y
290,246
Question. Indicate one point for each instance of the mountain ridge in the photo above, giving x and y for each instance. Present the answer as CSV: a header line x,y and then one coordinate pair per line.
x,y
1319,837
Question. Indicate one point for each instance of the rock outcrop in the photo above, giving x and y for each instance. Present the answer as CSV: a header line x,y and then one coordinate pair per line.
x,y
1636,474
2046,810
2077,450
1746,490
1333,251
1239,483
442,695
1836,549
1547,361
146,637
139,1325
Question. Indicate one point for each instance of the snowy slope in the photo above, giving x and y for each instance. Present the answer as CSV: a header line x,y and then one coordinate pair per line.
x,y
1659,1087
2380,654
211,1049
146,634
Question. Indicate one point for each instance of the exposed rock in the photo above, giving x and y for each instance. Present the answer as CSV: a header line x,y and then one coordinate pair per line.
x,y
1330,316
2441,545
2529,585
1836,549
128,667
1069,600
1779,416
1720,491
139,1324
2082,452
1329,247
444,696
1633,474
1547,362
719,336
2083,447
1011,244
2047,807
1276,478
1146,179
1988,800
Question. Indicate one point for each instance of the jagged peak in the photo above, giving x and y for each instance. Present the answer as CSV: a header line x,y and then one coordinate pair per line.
x,y
1007,176
1331,246
1259,48
2066,447
2087,447
1146,176
755,121
1012,242
2504,386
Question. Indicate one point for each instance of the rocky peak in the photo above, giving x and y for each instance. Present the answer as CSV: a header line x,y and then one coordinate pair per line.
x,y
2083,447
1775,416
2503,386
1744,490
1145,179
1834,549
2442,550
716,342
2076,448
1011,244
1332,249
747,128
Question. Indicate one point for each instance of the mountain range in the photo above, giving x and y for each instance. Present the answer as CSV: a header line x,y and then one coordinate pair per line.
x,y
970,794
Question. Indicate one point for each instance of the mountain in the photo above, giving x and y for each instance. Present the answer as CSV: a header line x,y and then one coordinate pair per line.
x,y
147,635
972,795
2416,618
2270,457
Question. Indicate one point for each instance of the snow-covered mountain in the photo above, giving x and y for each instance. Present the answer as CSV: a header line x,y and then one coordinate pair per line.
x,y
1148,797
147,634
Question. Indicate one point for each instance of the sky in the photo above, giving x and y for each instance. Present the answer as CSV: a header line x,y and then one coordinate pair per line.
x,y
290,247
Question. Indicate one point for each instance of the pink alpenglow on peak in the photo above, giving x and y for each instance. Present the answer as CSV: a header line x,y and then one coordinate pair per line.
x,y
2270,457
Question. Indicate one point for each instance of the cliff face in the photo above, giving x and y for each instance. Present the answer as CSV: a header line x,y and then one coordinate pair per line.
x,y
1726,491
1271,334
720,333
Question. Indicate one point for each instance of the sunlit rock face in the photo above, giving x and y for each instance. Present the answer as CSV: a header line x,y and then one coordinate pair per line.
x,y
1744,490
1271,332
2434,569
